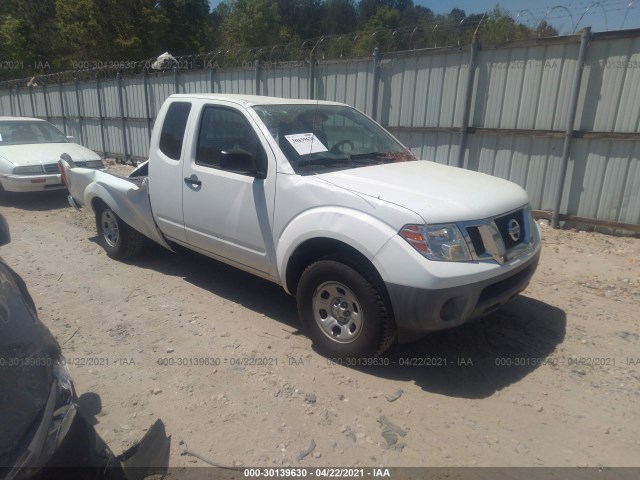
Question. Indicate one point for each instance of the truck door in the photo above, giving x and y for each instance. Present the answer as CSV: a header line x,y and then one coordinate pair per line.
x,y
229,214
165,170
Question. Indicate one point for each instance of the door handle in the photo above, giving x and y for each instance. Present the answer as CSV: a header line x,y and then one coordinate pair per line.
x,y
193,180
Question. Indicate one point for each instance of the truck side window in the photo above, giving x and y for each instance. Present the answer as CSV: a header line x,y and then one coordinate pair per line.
x,y
224,129
172,134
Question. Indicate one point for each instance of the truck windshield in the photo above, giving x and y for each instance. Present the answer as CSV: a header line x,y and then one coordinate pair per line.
x,y
19,132
317,138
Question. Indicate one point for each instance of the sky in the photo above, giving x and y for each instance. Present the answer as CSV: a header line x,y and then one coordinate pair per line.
x,y
600,15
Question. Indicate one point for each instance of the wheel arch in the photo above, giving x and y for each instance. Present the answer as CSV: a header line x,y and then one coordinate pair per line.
x,y
317,248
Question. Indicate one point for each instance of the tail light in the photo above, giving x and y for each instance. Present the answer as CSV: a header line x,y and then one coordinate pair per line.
x,y
63,173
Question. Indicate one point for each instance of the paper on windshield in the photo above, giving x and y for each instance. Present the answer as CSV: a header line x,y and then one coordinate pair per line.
x,y
306,143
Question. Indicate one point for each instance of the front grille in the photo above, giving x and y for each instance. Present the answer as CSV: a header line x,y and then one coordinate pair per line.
x,y
499,238
505,224
497,289
476,240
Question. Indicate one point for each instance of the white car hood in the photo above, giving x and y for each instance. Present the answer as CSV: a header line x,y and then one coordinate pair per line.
x,y
438,193
43,153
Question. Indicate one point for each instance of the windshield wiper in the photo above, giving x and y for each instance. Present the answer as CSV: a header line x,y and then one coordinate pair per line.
x,y
321,161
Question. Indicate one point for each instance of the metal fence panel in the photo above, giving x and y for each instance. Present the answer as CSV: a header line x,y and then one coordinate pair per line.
x,y
92,135
503,99
286,81
160,87
198,81
138,138
133,97
609,97
435,146
601,181
238,81
425,90
532,162
348,81
89,99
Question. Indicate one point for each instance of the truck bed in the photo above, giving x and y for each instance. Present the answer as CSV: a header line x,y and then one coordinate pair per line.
x,y
127,196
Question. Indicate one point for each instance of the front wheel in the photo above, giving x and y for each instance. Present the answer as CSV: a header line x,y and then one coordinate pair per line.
x,y
119,240
344,311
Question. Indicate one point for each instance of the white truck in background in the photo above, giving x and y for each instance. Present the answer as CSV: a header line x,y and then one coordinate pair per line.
x,y
317,197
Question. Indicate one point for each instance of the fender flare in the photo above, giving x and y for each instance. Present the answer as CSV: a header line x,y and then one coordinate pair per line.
x,y
361,231
134,217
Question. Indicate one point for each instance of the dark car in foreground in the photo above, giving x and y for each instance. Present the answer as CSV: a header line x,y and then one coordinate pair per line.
x,y
43,433
37,396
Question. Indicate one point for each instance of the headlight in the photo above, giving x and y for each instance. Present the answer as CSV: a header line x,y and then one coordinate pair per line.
x,y
28,170
95,164
442,242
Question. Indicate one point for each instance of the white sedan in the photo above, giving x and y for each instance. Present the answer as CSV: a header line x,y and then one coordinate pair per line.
x,y
29,152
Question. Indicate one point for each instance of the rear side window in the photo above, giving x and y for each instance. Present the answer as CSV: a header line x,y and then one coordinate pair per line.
x,y
172,134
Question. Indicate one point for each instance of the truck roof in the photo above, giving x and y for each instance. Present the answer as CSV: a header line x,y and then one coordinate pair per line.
x,y
251,100
26,119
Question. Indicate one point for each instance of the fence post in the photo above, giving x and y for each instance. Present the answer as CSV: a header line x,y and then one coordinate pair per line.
x,y
145,79
64,118
176,79
468,95
13,112
124,119
312,77
375,86
33,108
18,101
571,119
80,116
212,80
257,67
104,145
44,98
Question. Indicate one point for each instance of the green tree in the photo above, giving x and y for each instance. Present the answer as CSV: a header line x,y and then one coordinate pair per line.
x,y
26,29
183,26
80,36
341,16
253,23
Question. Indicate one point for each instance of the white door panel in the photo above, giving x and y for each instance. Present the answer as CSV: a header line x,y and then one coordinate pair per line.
x,y
165,171
229,214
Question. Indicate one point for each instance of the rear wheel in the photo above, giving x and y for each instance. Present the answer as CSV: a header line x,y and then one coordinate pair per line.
x,y
119,240
344,310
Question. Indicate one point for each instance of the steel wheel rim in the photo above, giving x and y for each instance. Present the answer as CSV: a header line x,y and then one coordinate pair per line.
x,y
337,312
110,230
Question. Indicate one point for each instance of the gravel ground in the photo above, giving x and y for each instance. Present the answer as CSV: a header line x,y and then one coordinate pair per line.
x,y
552,379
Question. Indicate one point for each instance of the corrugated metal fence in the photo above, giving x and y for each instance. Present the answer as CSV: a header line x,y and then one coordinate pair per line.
x,y
508,108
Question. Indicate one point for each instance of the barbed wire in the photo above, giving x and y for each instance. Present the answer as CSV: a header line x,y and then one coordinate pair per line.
x,y
298,52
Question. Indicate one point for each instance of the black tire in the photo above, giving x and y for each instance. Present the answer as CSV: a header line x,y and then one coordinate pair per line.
x,y
332,283
118,239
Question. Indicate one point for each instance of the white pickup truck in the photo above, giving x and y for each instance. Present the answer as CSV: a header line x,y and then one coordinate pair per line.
x,y
317,197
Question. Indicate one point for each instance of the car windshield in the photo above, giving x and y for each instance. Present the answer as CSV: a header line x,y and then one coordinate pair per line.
x,y
317,138
19,132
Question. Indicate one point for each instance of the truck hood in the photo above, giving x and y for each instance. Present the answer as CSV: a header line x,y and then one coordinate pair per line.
x,y
43,153
436,192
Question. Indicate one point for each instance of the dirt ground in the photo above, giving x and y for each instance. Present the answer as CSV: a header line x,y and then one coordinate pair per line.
x,y
553,379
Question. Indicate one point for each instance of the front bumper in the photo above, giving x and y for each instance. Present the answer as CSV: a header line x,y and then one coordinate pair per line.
x,y
48,431
418,311
31,183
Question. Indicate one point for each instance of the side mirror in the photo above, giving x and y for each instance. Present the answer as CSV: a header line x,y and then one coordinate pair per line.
x,y
240,161
5,236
